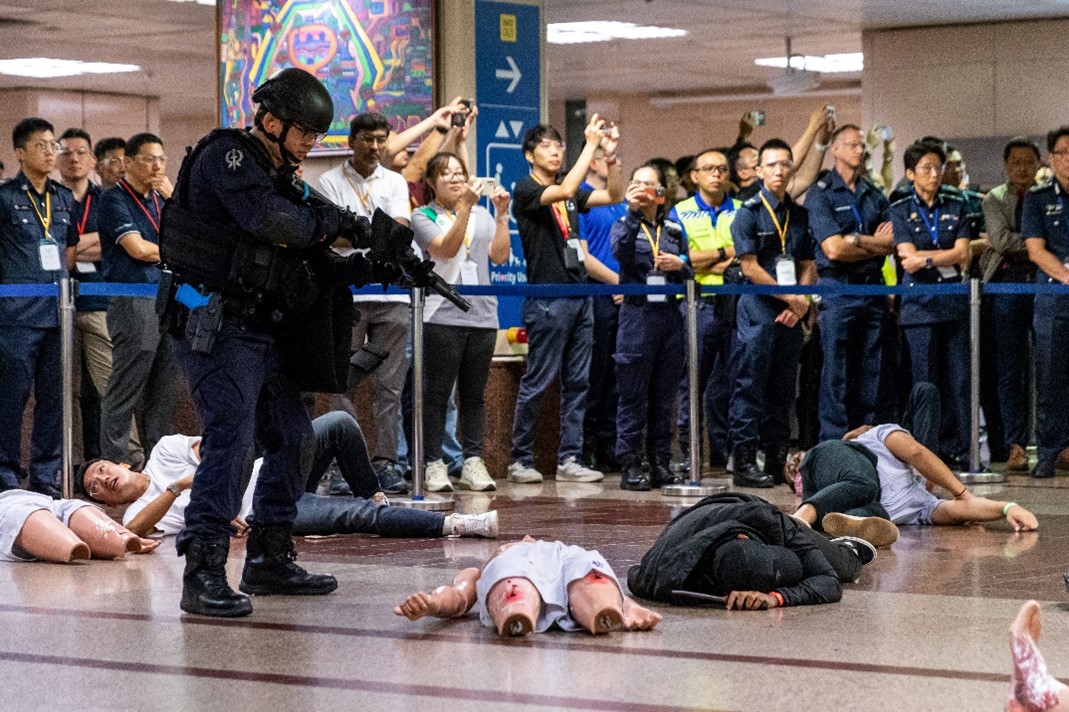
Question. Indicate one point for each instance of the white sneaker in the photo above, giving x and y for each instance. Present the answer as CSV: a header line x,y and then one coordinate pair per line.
x,y
436,477
571,470
524,474
475,477
483,525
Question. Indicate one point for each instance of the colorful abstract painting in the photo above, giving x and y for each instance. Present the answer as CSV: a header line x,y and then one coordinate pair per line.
x,y
372,55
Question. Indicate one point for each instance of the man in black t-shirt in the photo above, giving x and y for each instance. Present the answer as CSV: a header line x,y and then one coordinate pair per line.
x,y
559,329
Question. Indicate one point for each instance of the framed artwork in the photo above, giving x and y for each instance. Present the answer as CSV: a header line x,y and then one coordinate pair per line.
x,y
372,55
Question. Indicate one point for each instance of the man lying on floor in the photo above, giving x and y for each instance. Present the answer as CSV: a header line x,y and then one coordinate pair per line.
x,y
881,472
743,548
159,495
533,585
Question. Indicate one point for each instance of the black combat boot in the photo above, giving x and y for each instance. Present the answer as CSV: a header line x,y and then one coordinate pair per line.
x,y
270,568
661,473
204,587
632,477
746,472
775,461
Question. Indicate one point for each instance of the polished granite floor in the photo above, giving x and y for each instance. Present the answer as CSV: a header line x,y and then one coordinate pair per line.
x,y
923,629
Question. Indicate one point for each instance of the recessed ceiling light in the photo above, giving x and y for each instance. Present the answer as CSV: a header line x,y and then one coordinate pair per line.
x,y
604,31
828,64
45,68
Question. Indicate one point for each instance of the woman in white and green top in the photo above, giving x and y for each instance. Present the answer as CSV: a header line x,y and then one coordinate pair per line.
x,y
462,238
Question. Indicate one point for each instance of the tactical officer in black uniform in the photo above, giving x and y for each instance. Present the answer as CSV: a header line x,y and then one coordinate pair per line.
x,y
256,297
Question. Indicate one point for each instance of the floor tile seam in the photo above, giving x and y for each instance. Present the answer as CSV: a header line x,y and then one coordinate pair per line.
x,y
351,684
834,665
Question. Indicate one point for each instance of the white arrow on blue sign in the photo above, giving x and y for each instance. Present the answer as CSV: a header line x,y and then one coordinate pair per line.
x,y
513,73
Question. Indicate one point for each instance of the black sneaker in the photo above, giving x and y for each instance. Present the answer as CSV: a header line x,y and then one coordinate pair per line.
x,y
1043,470
390,481
861,548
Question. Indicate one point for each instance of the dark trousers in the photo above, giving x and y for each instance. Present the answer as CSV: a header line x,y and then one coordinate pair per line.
x,y
1051,323
559,334
851,328
715,342
649,359
29,358
939,354
765,364
338,437
240,396
838,477
1012,329
599,425
457,355
989,380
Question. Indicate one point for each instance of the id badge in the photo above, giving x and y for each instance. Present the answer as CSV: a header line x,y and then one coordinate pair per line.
x,y
656,279
578,247
85,267
49,253
785,274
948,272
469,273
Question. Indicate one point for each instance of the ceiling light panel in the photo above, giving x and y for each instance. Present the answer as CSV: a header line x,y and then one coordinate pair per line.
x,y
46,68
605,31
827,64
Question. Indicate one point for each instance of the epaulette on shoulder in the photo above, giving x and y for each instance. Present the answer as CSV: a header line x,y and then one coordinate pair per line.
x,y
902,200
1042,186
823,179
753,202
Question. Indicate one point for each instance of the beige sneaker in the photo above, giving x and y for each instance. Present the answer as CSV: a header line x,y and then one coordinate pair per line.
x,y
436,477
877,531
524,474
571,470
475,477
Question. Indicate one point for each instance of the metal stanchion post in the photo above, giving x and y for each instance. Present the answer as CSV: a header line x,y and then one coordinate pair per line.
x,y
694,488
974,475
415,447
67,289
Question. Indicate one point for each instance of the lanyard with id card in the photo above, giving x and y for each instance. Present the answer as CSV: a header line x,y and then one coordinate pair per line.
x,y
654,278
786,274
933,232
47,249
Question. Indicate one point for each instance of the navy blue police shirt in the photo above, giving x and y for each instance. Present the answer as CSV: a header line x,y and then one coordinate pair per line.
x,y
834,209
124,211
87,220
21,235
1044,215
755,233
930,228
632,245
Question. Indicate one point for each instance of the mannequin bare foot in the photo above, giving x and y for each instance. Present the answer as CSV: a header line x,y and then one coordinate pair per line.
x,y
1032,688
638,617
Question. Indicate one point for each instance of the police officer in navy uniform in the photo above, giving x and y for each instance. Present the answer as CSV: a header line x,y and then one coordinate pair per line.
x,y
38,238
1045,230
774,247
236,244
848,217
649,340
932,243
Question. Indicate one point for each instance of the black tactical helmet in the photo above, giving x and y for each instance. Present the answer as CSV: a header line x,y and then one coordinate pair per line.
x,y
295,96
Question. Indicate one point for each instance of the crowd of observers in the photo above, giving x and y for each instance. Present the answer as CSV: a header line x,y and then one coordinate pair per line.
x,y
813,212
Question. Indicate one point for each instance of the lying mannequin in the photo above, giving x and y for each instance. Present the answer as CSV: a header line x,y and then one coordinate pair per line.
x,y
532,585
35,526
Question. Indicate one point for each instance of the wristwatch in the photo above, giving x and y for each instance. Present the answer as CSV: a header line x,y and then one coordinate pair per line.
x,y
854,239
174,489
928,263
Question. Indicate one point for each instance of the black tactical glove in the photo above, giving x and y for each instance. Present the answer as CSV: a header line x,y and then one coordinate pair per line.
x,y
355,228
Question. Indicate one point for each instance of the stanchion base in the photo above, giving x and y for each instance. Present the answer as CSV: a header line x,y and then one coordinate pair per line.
x,y
701,490
982,478
429,504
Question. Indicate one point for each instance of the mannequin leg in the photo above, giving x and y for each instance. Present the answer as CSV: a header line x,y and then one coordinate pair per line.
x,y
514,604
1032,688
107,539
596,603
44,537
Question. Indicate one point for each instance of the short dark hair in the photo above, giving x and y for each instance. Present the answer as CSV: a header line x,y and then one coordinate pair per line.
x,y
26,128
775,144
369,121
920,149
1021,142
934,139
79,479
77,133
685,164
534,136
841,129
135,142
436,167
656,166
108,144
663,164
1054,134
